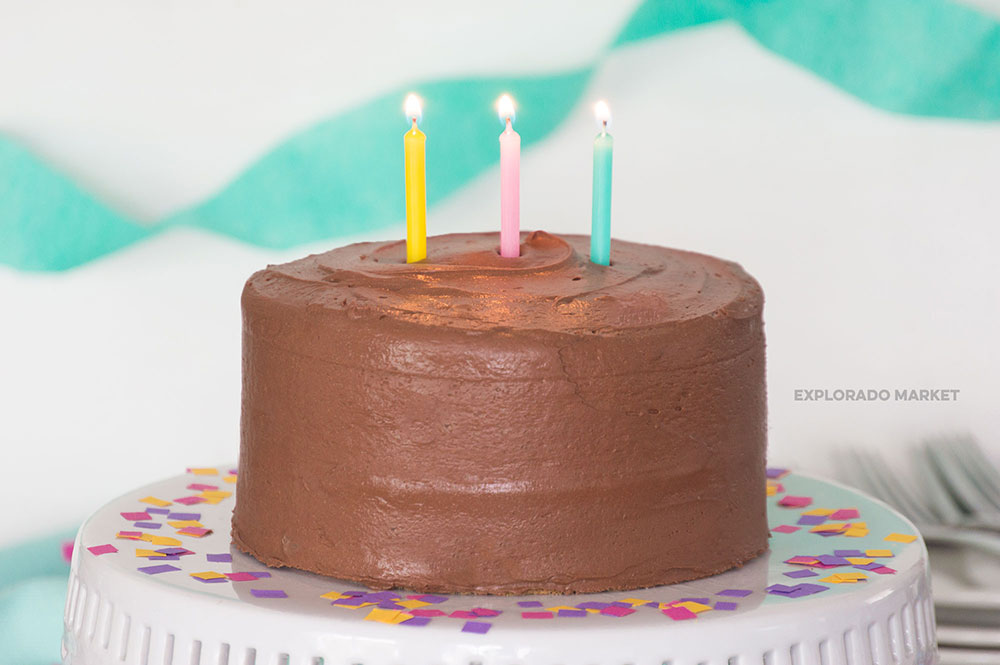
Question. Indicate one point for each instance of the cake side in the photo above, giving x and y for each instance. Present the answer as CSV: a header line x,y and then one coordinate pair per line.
x,y
487,425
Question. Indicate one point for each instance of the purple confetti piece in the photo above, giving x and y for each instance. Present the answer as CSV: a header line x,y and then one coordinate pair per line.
x,y
430,598
147,525
185,516
851,553
529,603
806,588
774,472
781,589
212,580
735,593
800,573
416,621
869,566
356,601
220,558
725,605
830,560
573,613
156,570
811,520
268,593
260,574
379,596
592,605
480,627
703,601
158,511
389,605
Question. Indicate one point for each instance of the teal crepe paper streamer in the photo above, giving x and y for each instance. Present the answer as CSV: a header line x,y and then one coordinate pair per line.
x,y
33,580
343,175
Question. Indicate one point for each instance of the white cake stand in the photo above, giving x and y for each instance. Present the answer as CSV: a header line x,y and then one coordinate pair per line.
x,y
118,613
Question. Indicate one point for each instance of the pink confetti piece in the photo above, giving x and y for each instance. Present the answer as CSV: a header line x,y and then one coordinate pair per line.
x,y
189,500
195,531
884,570
679,613
845,514
616,611
67,551
421,612
786,528
485,612
462,614
137,517
201,487
536,615
789,501
102,549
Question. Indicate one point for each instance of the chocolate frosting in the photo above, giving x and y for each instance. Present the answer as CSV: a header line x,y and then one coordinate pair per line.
x,y
473,423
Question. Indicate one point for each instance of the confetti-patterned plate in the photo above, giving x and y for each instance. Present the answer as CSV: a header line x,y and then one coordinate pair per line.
x,y
155,582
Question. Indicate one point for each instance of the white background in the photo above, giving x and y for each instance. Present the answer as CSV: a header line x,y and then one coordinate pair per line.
x,y
874,235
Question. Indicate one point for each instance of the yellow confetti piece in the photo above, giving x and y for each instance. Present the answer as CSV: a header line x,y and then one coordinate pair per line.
x,y
204,471
823,512
208,575
153,501
878,553
552,609
412,604
825,528
148,553
127,537
772,490
180,524
333,595
636,601
693,606
229,479
856,533
161,540
860,560
899,538
387,616
860,525
844,578
212,502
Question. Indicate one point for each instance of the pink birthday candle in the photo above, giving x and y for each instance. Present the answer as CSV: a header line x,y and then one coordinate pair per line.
x,y
510,181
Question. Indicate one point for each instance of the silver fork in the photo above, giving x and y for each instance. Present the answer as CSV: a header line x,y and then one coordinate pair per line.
x,y
968,478
930,506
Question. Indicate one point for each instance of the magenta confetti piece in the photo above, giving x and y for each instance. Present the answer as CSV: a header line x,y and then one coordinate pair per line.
x,y
679,613
536,615
616,611
137,517
102,549
789,501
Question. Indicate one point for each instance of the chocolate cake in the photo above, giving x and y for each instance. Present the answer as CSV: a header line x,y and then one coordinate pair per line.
x,y
480,424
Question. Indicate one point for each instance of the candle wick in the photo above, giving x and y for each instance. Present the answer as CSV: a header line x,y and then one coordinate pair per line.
x,y
414,122
508,122
604,124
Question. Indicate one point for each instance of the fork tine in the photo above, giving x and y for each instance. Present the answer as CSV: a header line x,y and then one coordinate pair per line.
x,y
939,460
980,469
939,498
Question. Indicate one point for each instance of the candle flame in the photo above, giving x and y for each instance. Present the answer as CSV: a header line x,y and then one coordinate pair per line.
x,y
603,114
505,108
413,108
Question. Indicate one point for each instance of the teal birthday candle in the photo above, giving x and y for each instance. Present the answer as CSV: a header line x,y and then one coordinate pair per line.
x,y
600,216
